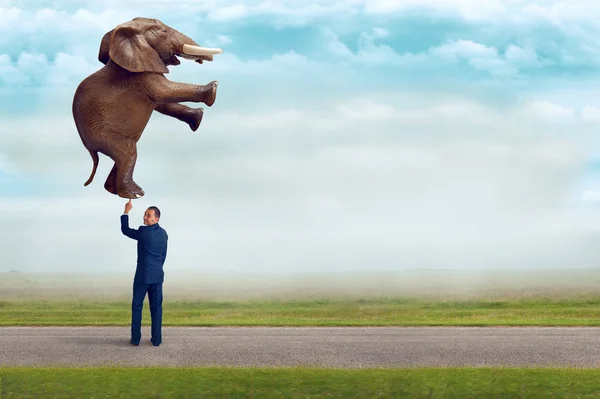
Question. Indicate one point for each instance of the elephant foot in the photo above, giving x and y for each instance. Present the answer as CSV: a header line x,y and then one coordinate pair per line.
x,y
211,93
111,187
130,191
195,118
110,184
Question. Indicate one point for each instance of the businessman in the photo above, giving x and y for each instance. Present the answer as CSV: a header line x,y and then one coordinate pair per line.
x,y
149,275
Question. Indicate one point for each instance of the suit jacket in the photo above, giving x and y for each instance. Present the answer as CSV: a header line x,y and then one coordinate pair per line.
x,y
151,251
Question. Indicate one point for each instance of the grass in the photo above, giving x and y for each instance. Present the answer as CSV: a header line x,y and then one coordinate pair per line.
x,y
428,299
379,311
113,382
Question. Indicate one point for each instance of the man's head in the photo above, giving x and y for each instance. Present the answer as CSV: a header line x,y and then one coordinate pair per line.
x,y
151,216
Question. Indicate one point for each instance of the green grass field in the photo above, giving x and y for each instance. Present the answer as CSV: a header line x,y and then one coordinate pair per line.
x,y
324,312
457,298
297,383
461,298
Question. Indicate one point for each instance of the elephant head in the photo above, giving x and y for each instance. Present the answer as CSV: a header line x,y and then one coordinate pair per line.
x,y
148,45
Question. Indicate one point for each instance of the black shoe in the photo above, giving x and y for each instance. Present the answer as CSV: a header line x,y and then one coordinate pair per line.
x,y
134,343
154,343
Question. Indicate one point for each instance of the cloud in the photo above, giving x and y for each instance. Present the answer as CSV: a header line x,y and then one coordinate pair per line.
x,y
591,195
31,69
478,56
558,12
468,9
362,151
547,110
540,40
381,179
539,132
464,49
11,74
297,12
369,52
523,57
291,13
221,40
591,114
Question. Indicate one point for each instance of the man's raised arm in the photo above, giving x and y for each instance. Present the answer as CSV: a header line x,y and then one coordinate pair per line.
x,y
125,229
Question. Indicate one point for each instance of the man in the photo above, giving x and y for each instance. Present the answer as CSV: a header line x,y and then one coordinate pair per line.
x,y
149,274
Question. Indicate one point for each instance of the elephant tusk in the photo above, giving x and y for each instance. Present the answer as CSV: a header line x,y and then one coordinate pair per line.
x,y
195,50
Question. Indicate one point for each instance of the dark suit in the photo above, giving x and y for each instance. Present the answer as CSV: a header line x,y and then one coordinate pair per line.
x,y
149,276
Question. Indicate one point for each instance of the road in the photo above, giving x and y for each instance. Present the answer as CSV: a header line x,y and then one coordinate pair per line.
x,y
346,347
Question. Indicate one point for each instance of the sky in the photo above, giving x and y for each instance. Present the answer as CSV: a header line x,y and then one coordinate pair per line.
x,y
355,135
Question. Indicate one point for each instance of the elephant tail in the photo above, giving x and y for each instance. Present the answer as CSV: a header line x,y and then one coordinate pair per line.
x,y
95,158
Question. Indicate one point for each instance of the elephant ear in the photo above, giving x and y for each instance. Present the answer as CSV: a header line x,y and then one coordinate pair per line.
x,y
103,53
130,50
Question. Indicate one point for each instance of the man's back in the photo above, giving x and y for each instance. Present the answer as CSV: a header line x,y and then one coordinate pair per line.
x,y
151,250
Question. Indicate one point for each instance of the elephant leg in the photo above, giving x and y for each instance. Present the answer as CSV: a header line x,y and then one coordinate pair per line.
x,y
191,116
161,90
111,181
124,152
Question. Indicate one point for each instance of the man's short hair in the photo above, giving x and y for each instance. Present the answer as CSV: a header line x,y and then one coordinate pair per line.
x,y
156,211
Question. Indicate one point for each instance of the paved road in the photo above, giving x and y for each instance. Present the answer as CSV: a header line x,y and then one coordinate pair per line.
x,y
311,346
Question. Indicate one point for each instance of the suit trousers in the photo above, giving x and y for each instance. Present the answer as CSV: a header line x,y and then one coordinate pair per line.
x,y
155,297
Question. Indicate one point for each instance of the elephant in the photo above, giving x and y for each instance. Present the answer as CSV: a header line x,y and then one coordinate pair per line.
x,y
112,106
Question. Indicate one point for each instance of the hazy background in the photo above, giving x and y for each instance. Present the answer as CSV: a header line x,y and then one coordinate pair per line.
x,y
350,136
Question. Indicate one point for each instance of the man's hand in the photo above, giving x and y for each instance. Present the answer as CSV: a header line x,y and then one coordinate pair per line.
x,y
128,206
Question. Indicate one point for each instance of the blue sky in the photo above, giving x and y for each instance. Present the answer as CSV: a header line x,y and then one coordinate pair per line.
x,y
346,135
